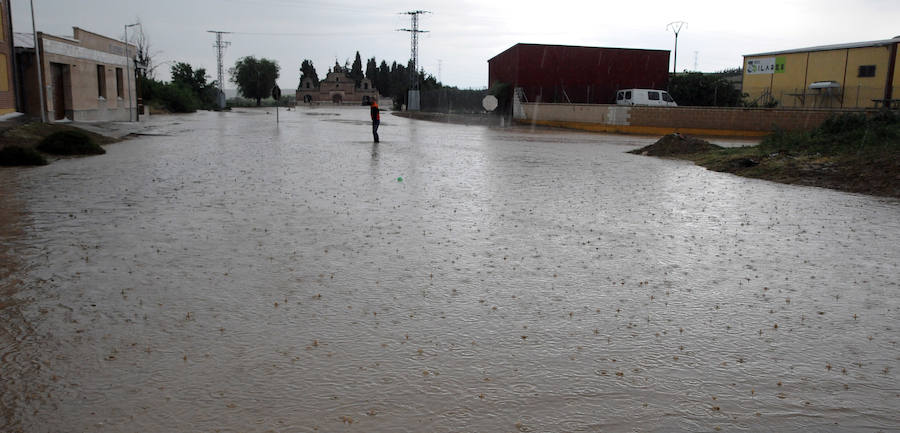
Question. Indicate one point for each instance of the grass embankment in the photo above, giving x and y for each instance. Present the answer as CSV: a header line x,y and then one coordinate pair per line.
x,y
27,144
850,152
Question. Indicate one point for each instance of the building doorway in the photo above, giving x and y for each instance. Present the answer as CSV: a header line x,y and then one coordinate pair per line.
x,y
337,98
61,80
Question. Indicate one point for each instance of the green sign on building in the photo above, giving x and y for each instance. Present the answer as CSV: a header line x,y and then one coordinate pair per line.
x,y
766,65
779,65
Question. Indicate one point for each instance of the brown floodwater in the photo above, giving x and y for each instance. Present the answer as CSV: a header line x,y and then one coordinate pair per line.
x,y
228,275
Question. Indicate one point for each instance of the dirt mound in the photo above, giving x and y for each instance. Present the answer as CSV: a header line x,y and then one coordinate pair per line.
x,y
676,144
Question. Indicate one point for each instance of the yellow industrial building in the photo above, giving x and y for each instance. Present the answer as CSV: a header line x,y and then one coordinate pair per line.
x,y
855,75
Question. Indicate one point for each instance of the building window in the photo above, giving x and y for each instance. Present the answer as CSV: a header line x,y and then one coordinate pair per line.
x,y
101,81
307,84
866,71
120,85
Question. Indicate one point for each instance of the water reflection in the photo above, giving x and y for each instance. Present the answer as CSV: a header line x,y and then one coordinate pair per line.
x,y
513,280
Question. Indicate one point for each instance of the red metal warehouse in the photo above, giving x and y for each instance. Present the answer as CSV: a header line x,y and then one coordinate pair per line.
x,y
580,75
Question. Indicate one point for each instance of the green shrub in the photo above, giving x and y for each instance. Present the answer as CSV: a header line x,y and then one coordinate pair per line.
x,y
70,143
150,88
177,98
237,101
17,155
846,122
886,118
840,134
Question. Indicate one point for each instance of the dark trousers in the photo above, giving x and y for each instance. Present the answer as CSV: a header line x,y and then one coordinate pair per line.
x,y
375,124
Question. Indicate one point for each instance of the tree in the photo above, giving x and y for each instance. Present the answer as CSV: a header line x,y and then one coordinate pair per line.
x,y
399,79
178,98
307,70
383,79
356,72
254,77
143,55
185,74
704,90
195,81
371,70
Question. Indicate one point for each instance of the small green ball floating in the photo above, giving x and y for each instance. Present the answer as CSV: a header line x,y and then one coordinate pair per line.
x,y
399,179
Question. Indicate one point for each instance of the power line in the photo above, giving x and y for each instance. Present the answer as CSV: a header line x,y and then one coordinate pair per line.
x,y
220,53
413,102
323,34
675,26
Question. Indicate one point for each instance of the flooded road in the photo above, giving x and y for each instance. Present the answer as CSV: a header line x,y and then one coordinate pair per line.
x,y
232,276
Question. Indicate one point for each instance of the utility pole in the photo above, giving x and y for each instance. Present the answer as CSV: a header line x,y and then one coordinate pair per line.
x,y
413,94
676,26
128,71
38,65
220,53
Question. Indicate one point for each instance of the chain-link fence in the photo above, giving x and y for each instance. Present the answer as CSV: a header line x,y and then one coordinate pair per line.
x,y
835,96
453,100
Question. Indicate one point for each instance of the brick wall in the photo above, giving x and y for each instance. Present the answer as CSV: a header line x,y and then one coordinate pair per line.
x,y
728,121
735,119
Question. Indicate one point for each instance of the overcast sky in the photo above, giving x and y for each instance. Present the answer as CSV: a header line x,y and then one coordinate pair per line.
x,y
463,34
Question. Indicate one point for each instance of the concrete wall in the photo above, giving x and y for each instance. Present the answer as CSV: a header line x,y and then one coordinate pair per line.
x,y
71,78
740,122
98,42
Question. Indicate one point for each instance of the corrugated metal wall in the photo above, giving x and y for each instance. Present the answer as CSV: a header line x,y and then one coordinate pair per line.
x,y
590,75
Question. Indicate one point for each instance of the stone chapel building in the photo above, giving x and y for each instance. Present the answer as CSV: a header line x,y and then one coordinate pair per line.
x,y
337,87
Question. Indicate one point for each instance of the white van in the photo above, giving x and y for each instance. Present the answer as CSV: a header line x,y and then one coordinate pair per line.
x,y
659,98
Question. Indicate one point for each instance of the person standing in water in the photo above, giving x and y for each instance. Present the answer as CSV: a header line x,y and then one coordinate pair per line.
x,y
376,119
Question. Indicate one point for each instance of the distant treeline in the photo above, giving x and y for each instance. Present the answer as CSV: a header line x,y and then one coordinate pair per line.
x,y
698,89
190,89
393,81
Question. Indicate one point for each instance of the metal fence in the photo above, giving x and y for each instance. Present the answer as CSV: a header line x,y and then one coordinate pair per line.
x,y
858,96
452,100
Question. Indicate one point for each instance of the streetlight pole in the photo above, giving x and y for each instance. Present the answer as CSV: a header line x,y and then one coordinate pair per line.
x,y
676,28
38,66
127,71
